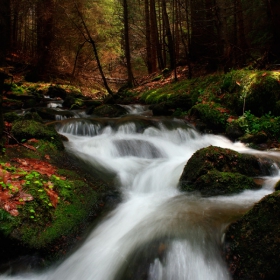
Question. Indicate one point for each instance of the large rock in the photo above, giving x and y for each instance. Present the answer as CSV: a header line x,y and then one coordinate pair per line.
x,y
213,117
28,129
217,171
253,244
108,110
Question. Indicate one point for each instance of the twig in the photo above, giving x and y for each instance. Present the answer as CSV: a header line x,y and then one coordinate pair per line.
x,y
21,144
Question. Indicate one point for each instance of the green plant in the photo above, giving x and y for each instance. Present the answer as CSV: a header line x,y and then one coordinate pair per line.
x,y
266,123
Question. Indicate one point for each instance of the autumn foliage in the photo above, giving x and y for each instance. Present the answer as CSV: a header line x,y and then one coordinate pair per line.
x,y
13,190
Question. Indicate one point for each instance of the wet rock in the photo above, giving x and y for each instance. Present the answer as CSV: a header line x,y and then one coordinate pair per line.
x,y
252,244
56,91
257,138
215,171
109,110
221,183
50,114
234,131
161,109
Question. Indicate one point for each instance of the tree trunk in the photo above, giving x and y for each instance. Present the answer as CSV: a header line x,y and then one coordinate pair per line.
x,y
242,43
274,12
170,42
153,36
45,37
4,44
148,37
127,46
224,49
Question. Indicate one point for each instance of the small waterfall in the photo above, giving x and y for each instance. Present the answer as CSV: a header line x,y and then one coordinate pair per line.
x,y
156,232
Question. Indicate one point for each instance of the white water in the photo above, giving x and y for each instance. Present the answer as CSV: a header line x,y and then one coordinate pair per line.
x,y
181,232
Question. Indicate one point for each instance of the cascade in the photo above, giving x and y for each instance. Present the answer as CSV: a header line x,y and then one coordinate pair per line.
x,y
156,232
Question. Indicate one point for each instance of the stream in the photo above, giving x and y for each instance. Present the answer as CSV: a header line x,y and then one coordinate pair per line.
x,y
156,232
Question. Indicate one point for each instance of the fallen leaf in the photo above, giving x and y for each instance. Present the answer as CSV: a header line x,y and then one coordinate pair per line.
x,y
53,196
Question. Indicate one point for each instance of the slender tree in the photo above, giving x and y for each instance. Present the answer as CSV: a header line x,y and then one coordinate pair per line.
x,y
130,79
45,37
148,38
4,44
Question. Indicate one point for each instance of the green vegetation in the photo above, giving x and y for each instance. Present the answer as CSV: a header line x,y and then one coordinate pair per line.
x,y
51,207
267,123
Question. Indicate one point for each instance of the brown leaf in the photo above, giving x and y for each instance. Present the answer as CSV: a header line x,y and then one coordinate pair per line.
x,y
53,196
29,147
14,212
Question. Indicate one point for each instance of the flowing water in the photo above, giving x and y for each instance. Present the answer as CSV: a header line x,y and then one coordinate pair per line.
x,y
156,232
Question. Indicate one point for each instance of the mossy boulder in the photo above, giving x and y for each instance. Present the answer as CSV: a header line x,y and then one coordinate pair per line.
x,y
28,129
76,100
252,244
51,114
10,117
234,130
212,115
109,110
256,138
161,109
222,183
53,212
31,116
253,87
216,171
56,91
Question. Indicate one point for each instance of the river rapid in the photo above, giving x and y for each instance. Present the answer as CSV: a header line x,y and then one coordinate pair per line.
x,y
156,232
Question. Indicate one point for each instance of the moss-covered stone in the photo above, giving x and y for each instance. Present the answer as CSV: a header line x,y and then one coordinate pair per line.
x,y
256,138
50,114
253,244
31,116
10,117
221,183
27,129
214,170
56,91
214,117
43,227
234,130
109,110
75,100
161,109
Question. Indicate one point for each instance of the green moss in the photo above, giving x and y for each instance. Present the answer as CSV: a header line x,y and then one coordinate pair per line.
x,y
253,244
41,222
27,129
221,183
10,117
219,171
212,115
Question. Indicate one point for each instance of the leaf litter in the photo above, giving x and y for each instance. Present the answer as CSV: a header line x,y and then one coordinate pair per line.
x,y
12,181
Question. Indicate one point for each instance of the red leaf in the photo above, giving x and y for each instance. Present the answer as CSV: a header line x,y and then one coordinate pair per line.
x,y
53,196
